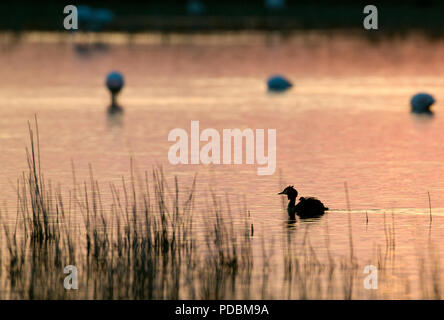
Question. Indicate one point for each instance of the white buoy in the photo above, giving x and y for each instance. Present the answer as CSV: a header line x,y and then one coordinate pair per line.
x,y
421,103
115,83
278,83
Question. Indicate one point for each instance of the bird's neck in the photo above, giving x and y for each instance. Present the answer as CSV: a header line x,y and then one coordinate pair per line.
x,y
292,209
292,202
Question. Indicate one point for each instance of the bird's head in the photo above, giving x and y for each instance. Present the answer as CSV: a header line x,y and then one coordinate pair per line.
x,y
290,191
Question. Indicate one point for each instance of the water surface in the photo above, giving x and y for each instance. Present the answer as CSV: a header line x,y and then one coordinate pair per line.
x,y
345,120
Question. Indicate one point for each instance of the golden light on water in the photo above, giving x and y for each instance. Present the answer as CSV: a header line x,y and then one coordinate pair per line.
x,y
346,119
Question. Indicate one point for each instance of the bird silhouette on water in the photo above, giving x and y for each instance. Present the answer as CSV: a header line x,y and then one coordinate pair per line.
x,y
114,82
305,208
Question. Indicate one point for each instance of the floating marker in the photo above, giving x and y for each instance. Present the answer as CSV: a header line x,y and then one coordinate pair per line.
x,y
278,83
421,103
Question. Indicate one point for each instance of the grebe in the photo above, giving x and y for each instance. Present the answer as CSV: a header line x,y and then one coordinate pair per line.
x,y
278,83
306,207
421,103
114,82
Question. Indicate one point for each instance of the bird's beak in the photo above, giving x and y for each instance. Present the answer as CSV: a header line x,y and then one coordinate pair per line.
x,y
281,192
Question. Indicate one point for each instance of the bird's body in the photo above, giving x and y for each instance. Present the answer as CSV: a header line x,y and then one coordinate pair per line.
x,y
306,207
309,207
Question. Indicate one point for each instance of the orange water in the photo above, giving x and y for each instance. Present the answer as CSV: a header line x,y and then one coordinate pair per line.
x,y
345,120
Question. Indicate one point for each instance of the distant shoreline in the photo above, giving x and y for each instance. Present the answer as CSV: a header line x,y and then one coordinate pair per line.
x,y
173,17
219,38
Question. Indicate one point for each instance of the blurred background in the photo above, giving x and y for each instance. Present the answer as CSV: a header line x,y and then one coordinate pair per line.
x,y
211,15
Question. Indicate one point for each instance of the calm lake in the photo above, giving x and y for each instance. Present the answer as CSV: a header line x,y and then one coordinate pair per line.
x,y
346,119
